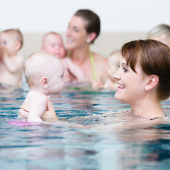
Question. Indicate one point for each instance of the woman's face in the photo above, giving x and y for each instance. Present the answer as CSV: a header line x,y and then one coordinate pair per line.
x,y
130,84
76,33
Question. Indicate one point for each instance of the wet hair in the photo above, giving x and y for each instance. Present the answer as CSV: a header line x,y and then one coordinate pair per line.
x,y
93,21
154,59
159,30
17,33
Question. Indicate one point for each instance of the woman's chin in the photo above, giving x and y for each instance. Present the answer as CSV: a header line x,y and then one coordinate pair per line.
x,y
118,97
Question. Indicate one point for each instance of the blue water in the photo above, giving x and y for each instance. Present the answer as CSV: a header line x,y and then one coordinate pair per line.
x,y
58,147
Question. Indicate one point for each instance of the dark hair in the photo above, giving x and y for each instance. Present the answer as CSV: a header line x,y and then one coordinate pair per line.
x,y
154,58
93,21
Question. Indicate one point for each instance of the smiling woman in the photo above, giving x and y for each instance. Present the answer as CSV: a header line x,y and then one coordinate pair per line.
x,y
143,80
144,77
83,29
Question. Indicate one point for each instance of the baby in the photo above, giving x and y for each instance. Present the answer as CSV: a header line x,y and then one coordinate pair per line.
x,y
53,43
11,64
113,65
160,33
44,74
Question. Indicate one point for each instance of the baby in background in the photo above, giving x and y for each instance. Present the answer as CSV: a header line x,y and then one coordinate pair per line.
x,y
113,65
160,33
11,64
52,43
44,74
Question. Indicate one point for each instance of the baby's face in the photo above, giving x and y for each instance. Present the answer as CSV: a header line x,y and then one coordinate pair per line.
x,y
8,42
53,44
56,80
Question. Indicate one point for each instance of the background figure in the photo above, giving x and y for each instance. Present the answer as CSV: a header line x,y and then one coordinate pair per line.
x,y
113,66
160,33
82,31
44,74
52,43
113,62
11,64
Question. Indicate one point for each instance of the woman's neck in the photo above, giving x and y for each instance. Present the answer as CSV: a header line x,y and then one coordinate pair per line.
x,y
148,109
79,56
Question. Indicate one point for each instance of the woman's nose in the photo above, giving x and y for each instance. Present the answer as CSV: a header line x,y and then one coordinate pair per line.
x,y
116,75
68,32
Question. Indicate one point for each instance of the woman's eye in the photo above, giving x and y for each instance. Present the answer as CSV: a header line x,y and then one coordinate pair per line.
x,y
125,70
76,30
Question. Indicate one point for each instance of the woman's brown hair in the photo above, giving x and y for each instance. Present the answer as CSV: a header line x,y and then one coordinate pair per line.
x,y
154,59
93,21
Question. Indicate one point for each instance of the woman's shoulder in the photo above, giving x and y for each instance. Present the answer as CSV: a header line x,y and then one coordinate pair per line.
x,y
99,59
98,56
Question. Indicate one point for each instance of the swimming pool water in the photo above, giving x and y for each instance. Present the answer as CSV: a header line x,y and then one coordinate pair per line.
x,y
57,147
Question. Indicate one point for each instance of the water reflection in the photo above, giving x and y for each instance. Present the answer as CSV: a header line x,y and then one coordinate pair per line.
x,y
61,147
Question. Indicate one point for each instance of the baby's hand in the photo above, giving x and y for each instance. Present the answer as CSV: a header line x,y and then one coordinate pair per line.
x,y
23,112
4,52
96,84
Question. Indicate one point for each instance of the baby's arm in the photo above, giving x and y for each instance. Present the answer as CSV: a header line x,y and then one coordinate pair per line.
x,y
12,63
73,69
37,108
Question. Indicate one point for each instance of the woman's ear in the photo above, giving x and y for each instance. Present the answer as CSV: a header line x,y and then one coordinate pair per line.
x,y
44,82
91,37
152,82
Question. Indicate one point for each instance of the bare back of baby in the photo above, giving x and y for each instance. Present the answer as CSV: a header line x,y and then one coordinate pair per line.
x,y
37,102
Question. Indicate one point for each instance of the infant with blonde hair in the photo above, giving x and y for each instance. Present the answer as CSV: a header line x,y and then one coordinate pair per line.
x,y
11,64
44,74
52,43
160,33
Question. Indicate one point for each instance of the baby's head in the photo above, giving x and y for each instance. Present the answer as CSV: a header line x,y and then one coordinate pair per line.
x,y
113,63
52,43
12,40
44,73
160,33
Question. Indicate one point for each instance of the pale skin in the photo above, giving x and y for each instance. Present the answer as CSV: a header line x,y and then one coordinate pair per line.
x,y
11,64
78,47
43,86
37,103
53,43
